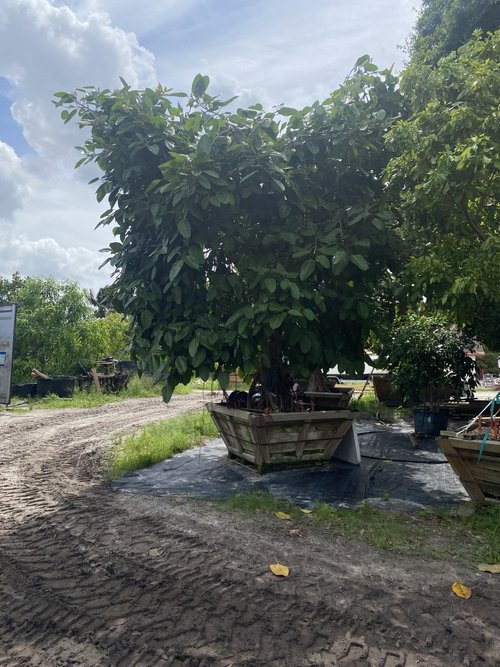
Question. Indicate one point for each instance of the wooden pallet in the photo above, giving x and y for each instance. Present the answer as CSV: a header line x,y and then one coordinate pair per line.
x,y
481,479
280,438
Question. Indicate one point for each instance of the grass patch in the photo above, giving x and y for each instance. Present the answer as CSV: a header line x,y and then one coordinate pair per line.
x,y
160,441
442,535
474,537
261,503
368,407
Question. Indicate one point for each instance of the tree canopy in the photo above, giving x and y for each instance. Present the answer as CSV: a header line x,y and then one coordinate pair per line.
x,y
245,239
444,26
445,180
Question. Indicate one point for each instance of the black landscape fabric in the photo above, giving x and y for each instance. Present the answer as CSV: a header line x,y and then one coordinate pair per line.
x,y
393,473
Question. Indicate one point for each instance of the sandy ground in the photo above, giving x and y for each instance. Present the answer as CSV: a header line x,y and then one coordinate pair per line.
x,y
91,577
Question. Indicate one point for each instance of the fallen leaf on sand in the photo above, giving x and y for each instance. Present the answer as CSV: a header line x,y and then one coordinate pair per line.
x,y
461,590
485,567
295,532
283,515
279,570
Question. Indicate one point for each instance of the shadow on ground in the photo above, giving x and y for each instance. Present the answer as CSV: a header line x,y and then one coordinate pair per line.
x,y
393,472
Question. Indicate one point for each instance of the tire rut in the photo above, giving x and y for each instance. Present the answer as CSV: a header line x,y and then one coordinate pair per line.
x,y
90,577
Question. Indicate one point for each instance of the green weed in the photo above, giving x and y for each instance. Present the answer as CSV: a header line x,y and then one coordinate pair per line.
x,y
440,535
160,441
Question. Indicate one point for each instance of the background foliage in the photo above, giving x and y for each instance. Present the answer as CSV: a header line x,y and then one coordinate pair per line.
x,y
56,327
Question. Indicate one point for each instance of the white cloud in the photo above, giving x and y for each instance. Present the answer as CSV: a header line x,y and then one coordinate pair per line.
x,y
292,52
45,256
281,51
44,49
48,211
13,184
134,16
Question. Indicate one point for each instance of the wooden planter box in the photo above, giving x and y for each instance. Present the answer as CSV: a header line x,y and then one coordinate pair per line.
x,y
480,479
281,437
337,399
384,391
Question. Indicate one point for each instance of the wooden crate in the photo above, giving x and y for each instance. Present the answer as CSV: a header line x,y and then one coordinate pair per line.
x,y
280,438
384,391
481,479
337,399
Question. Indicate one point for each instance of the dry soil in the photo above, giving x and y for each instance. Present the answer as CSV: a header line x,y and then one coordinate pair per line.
x,y
91,577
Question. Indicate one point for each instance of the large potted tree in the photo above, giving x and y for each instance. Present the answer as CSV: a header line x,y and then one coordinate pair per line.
x,y
244,239
429,363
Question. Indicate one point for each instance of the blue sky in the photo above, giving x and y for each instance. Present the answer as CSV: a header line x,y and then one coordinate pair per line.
x,y
270,51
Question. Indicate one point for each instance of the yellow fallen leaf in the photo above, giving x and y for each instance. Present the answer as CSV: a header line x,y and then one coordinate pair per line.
x,y
461,590
279,570
283,515
306,511
485,567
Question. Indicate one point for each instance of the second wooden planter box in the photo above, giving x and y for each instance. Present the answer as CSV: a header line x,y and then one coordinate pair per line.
x,y
282,437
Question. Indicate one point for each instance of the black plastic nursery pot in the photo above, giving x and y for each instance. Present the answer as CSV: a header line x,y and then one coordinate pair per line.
x,y
27,390
430,423
60,385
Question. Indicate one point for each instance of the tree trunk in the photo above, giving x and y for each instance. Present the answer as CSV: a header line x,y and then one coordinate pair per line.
x,y
316,382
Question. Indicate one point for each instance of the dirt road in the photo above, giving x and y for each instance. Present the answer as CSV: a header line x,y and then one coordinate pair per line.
x,y
91,577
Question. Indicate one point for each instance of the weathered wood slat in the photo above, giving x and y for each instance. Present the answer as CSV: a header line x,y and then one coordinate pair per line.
x,y
480,479
280,437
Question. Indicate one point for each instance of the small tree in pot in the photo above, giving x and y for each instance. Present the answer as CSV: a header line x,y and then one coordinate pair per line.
x,y
247,240
428,361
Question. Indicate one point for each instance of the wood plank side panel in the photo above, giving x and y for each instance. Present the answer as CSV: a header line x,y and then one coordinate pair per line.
x,y
281,437
463,460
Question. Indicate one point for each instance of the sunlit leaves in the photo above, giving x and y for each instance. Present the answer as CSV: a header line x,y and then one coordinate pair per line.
x,y
244,238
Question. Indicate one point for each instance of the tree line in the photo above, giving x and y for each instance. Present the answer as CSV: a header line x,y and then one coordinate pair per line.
x,y
60,327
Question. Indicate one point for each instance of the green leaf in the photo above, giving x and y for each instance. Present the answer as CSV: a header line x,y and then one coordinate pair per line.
x,y
306,269
199,357
166,392
193,347
203,373
295,291
223,378
146,318
174,271
270,285
200,85
286,111
362,60
184,228
324,261
277,320
181,364
360,262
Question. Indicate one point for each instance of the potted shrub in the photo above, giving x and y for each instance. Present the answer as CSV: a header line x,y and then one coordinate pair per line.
x,y
245,239
428,362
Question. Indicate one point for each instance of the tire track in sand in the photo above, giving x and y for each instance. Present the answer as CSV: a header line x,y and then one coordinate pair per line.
x,y
90,577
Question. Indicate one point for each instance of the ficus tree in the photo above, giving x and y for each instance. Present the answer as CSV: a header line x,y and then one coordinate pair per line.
x,y
244,239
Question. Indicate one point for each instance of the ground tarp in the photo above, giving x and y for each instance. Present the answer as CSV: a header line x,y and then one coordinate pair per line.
x,y
393,473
